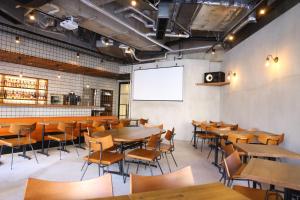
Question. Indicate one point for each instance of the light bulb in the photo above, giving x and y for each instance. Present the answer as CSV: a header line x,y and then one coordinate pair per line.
x,y
262,11
228,77
77,55
17,39
58,76
231,37
133,3
213,51
31,17
21,75
267,64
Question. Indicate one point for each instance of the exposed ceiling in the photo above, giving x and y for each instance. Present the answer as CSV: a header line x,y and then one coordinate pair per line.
x,y
129,33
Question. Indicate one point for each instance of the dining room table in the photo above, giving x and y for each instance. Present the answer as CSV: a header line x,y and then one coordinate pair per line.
x,y
285,175
210,191
271,152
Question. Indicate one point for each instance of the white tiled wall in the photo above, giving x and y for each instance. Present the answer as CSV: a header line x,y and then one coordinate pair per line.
x,y
68,82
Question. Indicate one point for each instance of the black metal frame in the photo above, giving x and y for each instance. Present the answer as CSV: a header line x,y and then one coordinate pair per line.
x,y
119,97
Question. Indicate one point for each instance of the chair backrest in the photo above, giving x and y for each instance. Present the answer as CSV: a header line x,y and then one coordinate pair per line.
x,y
170,134
240,138
180,178
95,144
232,163
160,126
125,122
24,130
143,121
14,129
154,141
228,149
98,123
89,189
271,139
99,128
66,126
117,126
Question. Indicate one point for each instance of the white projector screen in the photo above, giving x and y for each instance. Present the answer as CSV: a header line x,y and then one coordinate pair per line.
x,y
158,84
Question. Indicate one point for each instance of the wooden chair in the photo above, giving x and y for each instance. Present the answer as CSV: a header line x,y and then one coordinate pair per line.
x,y
205,135
240,138
227,150
125,122
196,125
90,189
117,126
180,178
23,133
143,121
169,147
234,167
100,154
149,155
271,139
67,129
256,194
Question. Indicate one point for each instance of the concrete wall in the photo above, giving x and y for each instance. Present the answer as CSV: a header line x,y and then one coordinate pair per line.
x,y
200,102
262,97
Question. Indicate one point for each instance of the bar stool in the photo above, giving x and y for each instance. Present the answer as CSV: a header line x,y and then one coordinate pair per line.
x,y
67,129
23,133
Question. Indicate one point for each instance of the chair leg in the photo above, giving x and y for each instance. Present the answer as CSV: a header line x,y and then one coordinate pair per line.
x,y
60,147
137,168
168,162
228,182
211,148
192,138
49,141
1,151
84,171
174,159
75,148
202,142
34,154
159,166
149,164
99,169
83,165
12,157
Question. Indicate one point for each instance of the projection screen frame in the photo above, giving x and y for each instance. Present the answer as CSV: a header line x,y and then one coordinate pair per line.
x,y
132,89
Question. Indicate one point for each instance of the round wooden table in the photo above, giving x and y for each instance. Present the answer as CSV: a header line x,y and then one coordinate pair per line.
x,y
129,134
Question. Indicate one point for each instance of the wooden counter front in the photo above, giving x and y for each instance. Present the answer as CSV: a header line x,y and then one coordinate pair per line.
x,y
37,134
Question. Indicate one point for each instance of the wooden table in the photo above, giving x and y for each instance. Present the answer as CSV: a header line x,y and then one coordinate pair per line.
x,y
7,125
198,192
222,133
269,151
274,173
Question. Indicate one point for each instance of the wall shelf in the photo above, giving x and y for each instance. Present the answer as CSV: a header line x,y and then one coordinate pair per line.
x,y
213,84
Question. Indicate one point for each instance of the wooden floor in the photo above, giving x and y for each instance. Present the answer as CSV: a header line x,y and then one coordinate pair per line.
x,y
68,169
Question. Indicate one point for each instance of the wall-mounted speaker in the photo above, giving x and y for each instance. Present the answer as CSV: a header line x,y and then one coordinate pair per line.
x,y
214,77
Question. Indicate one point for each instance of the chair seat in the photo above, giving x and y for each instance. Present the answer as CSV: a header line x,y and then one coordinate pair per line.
x,y
237,174
61,137
165,147
254,194
17,141
108,158
143,154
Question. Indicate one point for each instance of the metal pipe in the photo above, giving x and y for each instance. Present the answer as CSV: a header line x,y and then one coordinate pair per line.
x,y
135,10
107,14
251,19
170,52
141,20
175,35
227,3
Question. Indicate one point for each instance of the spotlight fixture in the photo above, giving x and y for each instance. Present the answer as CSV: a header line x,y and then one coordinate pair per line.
x,y
128,50
31,16
271,58
230,37
229,74
77,55
262,11
213,51
133,3
107,42
17,39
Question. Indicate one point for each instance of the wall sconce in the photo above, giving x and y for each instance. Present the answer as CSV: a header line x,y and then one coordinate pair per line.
x,y
229,74
270,58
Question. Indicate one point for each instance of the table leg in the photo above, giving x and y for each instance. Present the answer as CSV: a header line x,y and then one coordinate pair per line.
x,y
254,184
216,162
42,151
287,194
195,137
79,139
23,154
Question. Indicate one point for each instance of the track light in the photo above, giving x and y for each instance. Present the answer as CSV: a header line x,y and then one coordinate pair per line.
x,y
213,51
133,3
31,16
77,55
17,39
270,58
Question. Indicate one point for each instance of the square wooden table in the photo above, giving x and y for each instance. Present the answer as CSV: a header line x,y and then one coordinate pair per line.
x,y
284,175
204,192
269,151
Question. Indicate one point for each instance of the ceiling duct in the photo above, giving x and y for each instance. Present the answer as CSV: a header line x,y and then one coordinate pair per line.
x,y
162,20
227,3
251,19
32,3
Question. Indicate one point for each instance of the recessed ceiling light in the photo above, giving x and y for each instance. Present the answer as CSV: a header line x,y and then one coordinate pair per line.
x,y
262,11
133,3
31,17
230,37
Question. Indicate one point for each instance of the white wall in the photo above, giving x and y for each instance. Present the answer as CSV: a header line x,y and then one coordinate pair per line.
x,y
267,98
200,102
